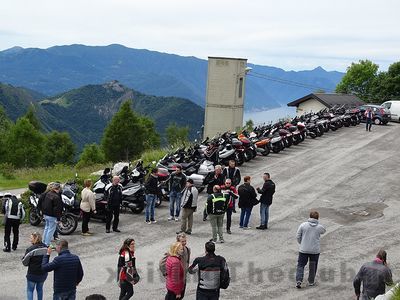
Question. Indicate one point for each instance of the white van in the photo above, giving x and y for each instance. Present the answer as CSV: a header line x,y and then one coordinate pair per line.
x,y
394,107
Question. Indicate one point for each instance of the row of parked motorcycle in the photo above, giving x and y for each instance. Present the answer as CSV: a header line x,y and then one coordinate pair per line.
x,y
197,162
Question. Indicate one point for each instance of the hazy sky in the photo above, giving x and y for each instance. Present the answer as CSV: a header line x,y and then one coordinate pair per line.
x,y
293,35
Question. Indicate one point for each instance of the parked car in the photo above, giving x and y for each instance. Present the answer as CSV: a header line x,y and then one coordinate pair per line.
x,y
381,114
394,106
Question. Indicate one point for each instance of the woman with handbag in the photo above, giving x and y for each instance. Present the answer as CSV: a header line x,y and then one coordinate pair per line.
x,y
127,275
175,280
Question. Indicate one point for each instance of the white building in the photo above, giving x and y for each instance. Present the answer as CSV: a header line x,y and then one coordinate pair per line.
x,y
225,95
316,102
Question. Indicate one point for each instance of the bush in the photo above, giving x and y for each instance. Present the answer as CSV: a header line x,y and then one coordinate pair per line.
x,y
7,170
152,155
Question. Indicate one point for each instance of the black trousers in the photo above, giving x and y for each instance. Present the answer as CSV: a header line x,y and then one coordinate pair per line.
x,y
207,295
11,224
126,290
170,296
113,211
368,124
229,218
85,221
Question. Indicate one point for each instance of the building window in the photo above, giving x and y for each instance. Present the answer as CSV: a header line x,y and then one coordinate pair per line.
x,y
240,87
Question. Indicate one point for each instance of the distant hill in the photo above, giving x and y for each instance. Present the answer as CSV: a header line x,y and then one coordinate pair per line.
x,y
62,68
84,112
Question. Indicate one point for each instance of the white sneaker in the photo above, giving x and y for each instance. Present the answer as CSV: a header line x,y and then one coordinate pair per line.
x,y
176,219
148,222
170,218
246,228
154,221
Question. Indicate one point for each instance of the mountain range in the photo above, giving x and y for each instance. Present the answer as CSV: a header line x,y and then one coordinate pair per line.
x,y
59,69
84,112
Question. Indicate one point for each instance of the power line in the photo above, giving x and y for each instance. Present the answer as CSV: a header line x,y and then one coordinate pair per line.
x,y
287,82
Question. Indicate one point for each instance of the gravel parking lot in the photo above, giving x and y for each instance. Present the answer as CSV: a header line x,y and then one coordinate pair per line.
x,y
350,176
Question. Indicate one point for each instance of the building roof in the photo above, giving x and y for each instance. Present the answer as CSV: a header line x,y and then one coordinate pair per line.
x,y
330,100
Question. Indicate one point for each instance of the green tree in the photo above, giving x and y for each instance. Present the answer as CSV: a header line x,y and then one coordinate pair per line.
x,y
152,138
5,125
91,154
359,80
59,149
123,137
31,116
25,144
249,126
176,134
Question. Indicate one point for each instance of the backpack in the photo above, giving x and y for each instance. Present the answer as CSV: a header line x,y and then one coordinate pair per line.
x,y
162,265
225,279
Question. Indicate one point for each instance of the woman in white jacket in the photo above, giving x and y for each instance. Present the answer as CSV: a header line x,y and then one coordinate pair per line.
x,y
88,204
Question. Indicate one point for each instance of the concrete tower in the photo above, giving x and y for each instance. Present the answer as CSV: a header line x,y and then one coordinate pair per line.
x,y
225,95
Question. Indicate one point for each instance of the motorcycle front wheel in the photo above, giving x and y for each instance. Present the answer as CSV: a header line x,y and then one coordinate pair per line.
x,y
34,217
67,224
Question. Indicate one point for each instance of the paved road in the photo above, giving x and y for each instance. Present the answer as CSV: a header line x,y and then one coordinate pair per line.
x,y
350,176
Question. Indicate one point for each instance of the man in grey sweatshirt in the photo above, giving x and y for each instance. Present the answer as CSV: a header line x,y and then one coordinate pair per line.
x,y
308,236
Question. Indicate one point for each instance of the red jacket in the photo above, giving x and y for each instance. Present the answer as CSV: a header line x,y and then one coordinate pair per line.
x,y
122,263
233,195
175,277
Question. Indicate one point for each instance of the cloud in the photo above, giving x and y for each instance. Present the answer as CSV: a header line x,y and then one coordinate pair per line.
x,y
286,34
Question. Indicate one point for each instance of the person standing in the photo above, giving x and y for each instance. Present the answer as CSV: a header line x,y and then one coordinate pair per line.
x,y
369,115
308,236
113,195
88,205
216,208
209,268
247,199
68,271
231,192
126,259
185,258
177,183
33,260
267,191
52,206
175,273
233,173
213,178
189,205
151,190
374,276
14,213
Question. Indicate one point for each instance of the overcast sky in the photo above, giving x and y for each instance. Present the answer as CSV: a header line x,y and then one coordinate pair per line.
x,y
290,34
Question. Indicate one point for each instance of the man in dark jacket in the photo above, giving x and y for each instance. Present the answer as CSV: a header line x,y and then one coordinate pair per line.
x,y
247,199
217,204
374,276
209,267
177,183
113,195
233,173
68,271
151,190
267,191
51,206
212,179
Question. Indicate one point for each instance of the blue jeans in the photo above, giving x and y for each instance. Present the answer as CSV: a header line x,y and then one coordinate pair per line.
x,y
71,295
264,214
245,216
150,205
30,288
49,229
175,203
